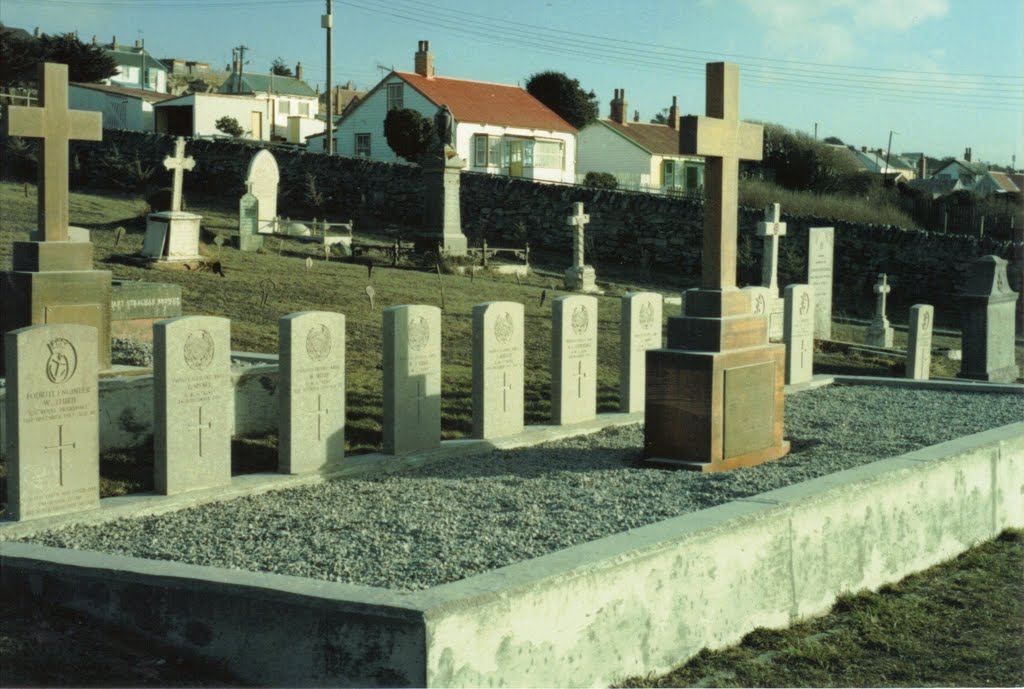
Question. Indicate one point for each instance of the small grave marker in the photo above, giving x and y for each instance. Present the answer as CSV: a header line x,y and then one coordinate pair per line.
x,y
498,363
370,293
639,331
799,333
412,378
267,287
309,263
880,333
820,246
574,359
119,233
919,341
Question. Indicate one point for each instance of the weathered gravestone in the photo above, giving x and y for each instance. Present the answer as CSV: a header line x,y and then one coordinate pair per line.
x,y
261,180
412,378
715,394
573,359
442,170
194,403
498,361
799,333
579,277
987,323
52,405
820,245
312,391
919,341
52,281
771,230
249,238
173,235
639,331
880,333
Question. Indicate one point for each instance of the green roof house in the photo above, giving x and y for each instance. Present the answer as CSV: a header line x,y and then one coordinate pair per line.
x,y
292,106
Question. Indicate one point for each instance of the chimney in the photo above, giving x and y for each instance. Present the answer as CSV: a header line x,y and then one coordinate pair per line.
x,y
863,149
94,39
424,62
298,71
36,32
967,154
636,115
113,44
673,114
619,106
138,45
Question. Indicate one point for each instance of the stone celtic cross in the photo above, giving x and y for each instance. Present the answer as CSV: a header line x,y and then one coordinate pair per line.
x,y
577,221
881,288
54,125
179,164
770,229
724,141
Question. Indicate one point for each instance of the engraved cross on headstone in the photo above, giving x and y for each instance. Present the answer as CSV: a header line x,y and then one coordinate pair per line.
x,y
199,427
54,125
580,375
881,289
419,397
723,140
178,163
319,411
506,387
59,447
577,221
770,229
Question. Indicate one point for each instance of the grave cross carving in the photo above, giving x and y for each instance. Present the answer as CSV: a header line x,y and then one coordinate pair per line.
x,y
770,229
506,387
580,375
179,164
577,222
419,397
199,427
60,447
881,288
319,411
54,125
723,140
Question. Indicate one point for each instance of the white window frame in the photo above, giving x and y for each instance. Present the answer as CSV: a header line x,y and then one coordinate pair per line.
x,y
284,107
363,151
396,96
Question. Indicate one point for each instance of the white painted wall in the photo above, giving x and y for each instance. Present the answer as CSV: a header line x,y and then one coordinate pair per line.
x,y
119,112
128,77
301,127
465,131
210,108
601,149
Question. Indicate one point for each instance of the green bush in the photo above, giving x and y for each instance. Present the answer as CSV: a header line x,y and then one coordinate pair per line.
x,y
600,180
877,210
229,125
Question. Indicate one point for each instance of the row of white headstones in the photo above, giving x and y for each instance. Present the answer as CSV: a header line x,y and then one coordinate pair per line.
x,y
53,407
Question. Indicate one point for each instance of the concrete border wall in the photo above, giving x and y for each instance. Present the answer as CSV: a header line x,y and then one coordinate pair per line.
x,y
632,603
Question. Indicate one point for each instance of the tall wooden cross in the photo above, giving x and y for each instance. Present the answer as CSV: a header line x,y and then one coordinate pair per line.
x,y
54,125
724,141
179,163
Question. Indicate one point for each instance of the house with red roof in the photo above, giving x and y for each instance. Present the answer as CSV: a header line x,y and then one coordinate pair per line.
x,y
498,129
642,156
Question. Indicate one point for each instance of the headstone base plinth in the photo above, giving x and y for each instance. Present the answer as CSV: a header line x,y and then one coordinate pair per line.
x,y
880,334
39,256
582,279
442,213
448,244
172,236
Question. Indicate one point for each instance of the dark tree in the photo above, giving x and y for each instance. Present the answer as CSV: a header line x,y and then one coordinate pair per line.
x,y
565,96
661,117
19,54
409,134
86,63
279,68
229,125
833,140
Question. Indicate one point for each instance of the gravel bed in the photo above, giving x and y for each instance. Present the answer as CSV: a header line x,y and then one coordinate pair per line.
x,y
460,517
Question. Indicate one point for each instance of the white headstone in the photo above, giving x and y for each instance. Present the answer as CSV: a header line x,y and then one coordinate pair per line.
x,y
880,333
573,359
919,344
579,277
770,230
312,391
639,330
412,378
820,244
263,176
52,420
194,403
249,223
799,333
498,362
178,164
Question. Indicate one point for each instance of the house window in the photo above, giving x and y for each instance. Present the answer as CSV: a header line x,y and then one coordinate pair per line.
x,y
681,175
549,154
284,107
486,150
395,96
304,109
363,145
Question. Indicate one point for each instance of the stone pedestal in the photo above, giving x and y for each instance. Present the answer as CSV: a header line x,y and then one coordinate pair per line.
x,y
53,283
987,323
581,279
441,209
879,334
715,395
172,236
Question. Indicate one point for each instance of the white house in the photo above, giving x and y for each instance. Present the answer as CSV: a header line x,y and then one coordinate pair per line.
x,y
498,129
135,67
196,114
640,155
976,176
122,108
286,98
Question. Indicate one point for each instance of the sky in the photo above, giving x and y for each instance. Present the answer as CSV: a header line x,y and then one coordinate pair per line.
x,y
939,75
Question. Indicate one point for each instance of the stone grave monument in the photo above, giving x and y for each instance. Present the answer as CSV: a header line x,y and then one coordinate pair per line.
x,y
799,333
987,323
820,244
442,213
53,446
498,364
715,394
52,281
174,235
412,379
261,181
573,359
879,332
312,391
771,230
249,237
639,331
579,277
919,341
193,404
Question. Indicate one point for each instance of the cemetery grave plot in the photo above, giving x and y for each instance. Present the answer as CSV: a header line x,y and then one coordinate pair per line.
x,y
453,519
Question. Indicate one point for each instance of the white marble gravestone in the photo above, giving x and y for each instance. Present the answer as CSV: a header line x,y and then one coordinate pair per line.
x,y
820,246
880,333
639,330
412,378
174,235
573,359
798,333
771,229
919,341
263,176
498,362
194,403
312,391
579,277
52,443
249,238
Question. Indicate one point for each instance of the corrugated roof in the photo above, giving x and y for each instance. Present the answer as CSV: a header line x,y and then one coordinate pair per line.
x,y
266,83
1004,181
659,139
148,96
481,102
127,56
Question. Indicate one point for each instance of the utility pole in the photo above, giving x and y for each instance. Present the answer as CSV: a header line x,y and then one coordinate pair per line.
x,y
815,131
325,22
241,61
888,151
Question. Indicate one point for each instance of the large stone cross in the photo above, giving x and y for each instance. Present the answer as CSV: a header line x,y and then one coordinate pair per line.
x,y
723,140
881,288
770,229
577,221
178,163
54,125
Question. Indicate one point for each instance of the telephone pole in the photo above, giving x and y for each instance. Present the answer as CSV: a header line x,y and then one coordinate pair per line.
x,y
888,151
241,61
325,22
